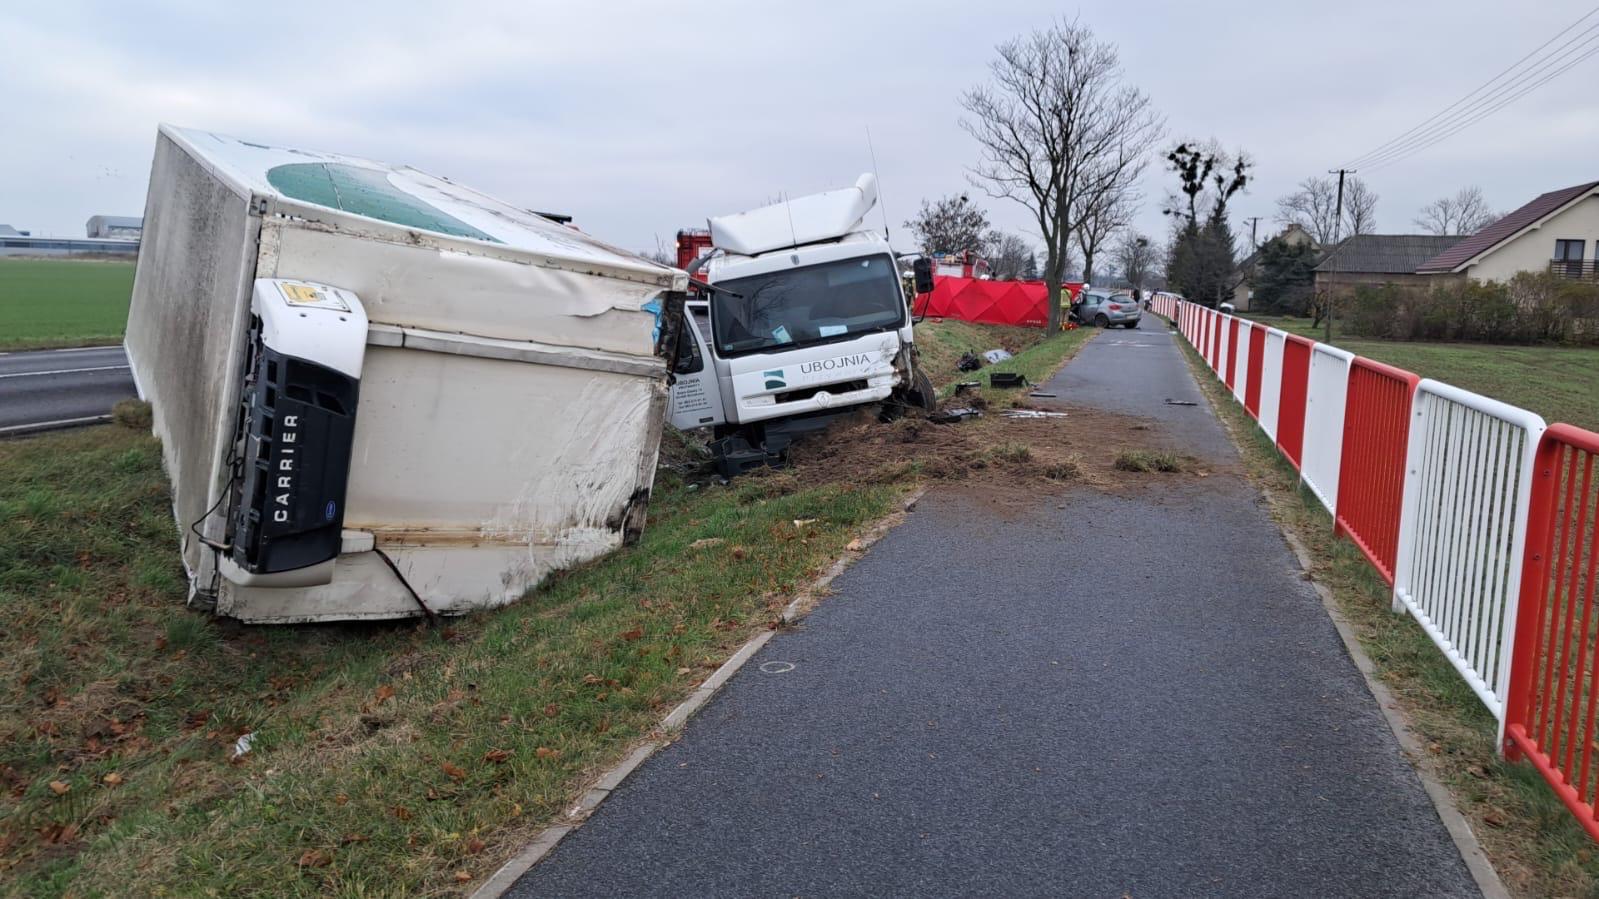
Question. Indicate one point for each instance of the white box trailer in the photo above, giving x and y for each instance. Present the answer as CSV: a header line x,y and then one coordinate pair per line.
x,y
381,394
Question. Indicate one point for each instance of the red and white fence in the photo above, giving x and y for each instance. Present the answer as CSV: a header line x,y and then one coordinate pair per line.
x,y
1483,520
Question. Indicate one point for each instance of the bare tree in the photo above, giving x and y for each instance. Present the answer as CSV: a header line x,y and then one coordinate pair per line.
x,y
1136,256
1100,216
1360,208
950,225
1314,207
1007,255
1055,110
1464,213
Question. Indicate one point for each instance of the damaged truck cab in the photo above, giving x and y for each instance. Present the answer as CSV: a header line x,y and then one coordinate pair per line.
x,y
805,319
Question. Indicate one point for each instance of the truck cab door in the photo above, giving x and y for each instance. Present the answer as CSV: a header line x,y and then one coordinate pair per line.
x,y
695,398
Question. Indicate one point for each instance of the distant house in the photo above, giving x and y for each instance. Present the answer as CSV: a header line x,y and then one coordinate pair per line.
x,y
1244,277
124,227
1373,259
1552,233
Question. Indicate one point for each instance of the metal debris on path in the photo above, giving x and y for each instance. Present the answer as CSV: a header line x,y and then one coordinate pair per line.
x,y
951,416
1042,395
994,356
1033,413
1172,402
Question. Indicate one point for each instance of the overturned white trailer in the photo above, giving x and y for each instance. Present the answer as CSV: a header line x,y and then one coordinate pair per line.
x,y
381,394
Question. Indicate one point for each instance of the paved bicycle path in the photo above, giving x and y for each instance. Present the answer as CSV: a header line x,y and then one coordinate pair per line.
x,y
1107,695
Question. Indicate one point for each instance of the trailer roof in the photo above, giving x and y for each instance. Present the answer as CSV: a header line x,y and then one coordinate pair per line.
x,y
400,196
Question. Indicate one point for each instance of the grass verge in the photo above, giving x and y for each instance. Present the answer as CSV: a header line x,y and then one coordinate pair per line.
x,y
1535,845
940,343
1037,363
48,303
386,759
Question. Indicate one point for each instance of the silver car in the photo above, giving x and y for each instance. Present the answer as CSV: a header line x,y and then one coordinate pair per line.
x,y
1105,309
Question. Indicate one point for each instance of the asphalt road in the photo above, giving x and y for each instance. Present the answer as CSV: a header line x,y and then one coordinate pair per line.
x,y
1130,694
43,389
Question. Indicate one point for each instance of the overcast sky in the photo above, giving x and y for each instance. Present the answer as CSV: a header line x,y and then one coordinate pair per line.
x,y
642,118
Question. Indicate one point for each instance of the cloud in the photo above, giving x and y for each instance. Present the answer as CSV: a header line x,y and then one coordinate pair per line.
x,y
640,118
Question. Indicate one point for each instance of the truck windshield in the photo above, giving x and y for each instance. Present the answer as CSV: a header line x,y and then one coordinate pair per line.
x,y
815,304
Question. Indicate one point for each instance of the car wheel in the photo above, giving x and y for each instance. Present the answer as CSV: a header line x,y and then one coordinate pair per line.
x,y
1102,320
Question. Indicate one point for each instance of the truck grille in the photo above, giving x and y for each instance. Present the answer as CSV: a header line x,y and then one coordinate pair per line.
x,y
808,392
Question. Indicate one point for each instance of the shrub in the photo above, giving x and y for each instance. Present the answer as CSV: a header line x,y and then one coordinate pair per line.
x,y
1532,307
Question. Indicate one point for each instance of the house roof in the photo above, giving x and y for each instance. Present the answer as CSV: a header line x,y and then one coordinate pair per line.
x,y
1388,254
1504,229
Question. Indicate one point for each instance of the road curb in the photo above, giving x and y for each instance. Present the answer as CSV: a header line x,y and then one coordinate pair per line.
x,y
802,604
1454,821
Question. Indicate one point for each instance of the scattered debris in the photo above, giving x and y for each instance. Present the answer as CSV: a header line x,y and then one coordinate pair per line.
x,y
801,522
1172,402
1032,413
1006,379
1042,395
964,386
951,416
994,356
969,361
705,541
241,748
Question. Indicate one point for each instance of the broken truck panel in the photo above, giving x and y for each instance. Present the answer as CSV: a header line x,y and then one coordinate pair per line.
x,y
510,395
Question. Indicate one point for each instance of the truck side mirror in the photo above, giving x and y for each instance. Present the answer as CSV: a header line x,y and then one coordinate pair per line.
x,y
923,272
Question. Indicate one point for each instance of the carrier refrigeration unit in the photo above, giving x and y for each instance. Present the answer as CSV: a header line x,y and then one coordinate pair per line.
x,y
381,394
806,319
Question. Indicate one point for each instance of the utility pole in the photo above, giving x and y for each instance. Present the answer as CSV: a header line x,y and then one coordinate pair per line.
x,y
1253,244
1338,224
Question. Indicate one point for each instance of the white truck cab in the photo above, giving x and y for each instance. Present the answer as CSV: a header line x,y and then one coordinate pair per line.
x,y
807,319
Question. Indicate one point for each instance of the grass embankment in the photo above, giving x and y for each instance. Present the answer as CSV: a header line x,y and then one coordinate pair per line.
x,y
1559,383
940,344
63,302
1533,842
388,759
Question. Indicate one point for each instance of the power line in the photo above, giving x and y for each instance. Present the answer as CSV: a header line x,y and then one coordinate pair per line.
x,y
1454,111
1540,73
1487,112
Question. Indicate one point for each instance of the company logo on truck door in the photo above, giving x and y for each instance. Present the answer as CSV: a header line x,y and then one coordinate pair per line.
x,y
854,360
288,433
775,379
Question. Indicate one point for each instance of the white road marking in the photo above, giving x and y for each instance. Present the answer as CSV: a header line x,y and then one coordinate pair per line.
x,y
63,371
58,423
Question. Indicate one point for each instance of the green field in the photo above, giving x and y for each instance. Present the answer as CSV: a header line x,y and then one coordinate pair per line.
x,y
1559,383
63,302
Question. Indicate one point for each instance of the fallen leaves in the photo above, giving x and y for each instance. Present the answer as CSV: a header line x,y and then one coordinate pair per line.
x,y
383,694
545,752
60,788
315,858
497,756
704,542
636,633
551,710
463,876
112,779
455,772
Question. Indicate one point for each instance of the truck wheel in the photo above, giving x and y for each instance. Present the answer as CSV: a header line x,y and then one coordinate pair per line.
x,y
1102,320
922,392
